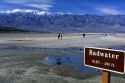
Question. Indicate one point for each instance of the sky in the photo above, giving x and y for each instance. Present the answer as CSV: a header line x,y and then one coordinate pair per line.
x,y
96,7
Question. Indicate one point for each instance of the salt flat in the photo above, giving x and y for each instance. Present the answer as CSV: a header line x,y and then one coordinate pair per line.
x,y
69,40
21,65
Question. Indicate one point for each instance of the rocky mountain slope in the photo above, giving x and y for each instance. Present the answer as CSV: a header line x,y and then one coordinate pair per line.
x,y
63,22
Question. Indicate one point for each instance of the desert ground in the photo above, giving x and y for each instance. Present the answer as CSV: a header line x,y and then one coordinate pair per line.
x,y
20,56
68,40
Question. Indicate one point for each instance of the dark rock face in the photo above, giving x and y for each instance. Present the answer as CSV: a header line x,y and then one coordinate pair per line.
x,y
64,23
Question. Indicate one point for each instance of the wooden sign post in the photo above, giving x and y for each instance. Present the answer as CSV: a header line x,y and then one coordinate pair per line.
x,y
106,59
105,77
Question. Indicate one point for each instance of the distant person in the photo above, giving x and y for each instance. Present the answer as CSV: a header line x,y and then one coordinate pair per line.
x,y
61,36
106,34
58,36
83,35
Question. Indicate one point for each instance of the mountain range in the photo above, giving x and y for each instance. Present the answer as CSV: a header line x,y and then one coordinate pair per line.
x,y
43,22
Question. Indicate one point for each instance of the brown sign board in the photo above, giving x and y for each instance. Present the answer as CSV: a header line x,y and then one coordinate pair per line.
x,y
105,59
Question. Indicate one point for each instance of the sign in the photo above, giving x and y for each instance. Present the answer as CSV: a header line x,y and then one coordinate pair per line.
x,y
105,59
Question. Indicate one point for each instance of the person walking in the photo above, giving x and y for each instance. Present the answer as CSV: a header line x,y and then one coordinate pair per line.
x,y
58,36
61,36
83,35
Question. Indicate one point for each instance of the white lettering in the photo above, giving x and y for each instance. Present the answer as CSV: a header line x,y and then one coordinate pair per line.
x,y
102,54
90,52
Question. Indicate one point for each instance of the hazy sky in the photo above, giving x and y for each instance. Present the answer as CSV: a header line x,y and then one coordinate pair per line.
x,y
100,7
